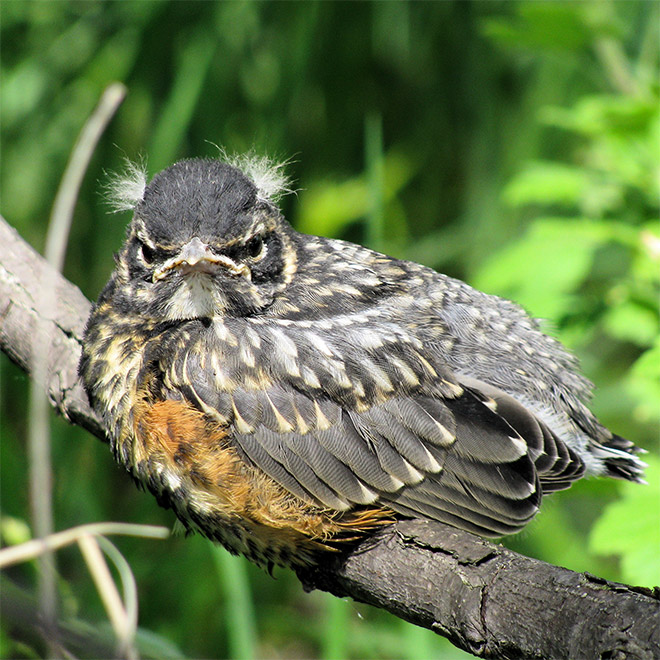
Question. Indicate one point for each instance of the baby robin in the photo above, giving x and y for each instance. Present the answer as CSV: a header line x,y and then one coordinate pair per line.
x,y
281,392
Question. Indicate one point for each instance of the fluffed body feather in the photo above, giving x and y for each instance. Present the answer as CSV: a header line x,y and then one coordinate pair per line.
x,y
279,390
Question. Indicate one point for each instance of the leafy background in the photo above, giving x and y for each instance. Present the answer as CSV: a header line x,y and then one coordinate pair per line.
x,y
512,144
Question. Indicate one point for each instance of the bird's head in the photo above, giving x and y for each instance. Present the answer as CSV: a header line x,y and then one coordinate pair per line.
x,y
206,239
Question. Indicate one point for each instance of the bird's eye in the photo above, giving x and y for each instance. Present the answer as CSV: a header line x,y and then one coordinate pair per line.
x,y
255,247
148,253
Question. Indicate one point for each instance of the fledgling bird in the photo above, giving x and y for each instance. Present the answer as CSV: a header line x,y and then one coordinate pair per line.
x,y
281,391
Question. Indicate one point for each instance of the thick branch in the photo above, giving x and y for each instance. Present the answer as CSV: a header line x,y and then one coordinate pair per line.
x,y
22,274
492,602
486,599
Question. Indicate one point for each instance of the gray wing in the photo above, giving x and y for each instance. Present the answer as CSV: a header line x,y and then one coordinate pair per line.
x,y
476,459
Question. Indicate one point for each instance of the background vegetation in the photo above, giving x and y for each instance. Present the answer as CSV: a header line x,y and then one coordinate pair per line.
x,y
511,144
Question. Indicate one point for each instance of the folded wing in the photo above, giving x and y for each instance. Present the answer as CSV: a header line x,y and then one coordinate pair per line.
x,y
477,459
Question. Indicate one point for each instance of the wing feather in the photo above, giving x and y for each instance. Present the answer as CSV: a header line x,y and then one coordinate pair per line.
x,y
330,469
463,518
473,457
557,464
272,444
390,459
388,420
257,455
344,442
451,488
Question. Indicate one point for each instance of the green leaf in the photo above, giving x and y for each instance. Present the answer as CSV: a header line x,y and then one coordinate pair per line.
x,y
547,183
14,531
644,383
327,208
23,88
630,321
597,115
540,25
335,629
242,636
545,266
630,528
194,60
646,265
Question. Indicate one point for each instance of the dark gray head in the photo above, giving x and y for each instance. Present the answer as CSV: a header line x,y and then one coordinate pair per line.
x,y
205,239
207,199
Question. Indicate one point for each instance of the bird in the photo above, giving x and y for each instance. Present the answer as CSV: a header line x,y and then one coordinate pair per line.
x,y
283,392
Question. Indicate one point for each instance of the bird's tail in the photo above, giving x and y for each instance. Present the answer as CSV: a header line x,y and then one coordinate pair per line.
x,y
619,456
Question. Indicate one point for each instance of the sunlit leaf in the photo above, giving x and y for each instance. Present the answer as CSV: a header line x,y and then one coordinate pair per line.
x,y
644,382
545,266
630,528
540,25
327,208
547,183
599,115
632,322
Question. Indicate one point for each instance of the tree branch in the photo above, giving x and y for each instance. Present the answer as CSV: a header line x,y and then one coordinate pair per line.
x,y
22,272
491,601
485,598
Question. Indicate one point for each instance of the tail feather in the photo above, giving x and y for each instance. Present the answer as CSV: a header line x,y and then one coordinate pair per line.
x,y
619,458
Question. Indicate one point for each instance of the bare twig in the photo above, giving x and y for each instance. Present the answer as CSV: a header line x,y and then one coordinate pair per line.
x,y
22,270
36,547
123,615
123,627
67,194
129,586
39,430
491,601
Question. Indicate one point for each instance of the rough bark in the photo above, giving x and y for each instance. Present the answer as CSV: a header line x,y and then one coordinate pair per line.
x,y
492,602
23,273
485,598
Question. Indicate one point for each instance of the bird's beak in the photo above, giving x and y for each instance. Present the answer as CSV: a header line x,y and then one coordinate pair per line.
x,y
196,256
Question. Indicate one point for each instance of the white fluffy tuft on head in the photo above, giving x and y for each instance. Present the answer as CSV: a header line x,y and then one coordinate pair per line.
x,y
267,175
125,189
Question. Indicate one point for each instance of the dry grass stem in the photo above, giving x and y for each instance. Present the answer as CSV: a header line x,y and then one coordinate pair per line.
x,y
39,428
122,625
37,547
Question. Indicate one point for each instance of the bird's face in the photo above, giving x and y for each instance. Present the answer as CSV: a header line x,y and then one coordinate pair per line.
x,y
203,244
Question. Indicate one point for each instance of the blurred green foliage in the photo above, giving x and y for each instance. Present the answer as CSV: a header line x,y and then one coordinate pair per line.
x,y
512,144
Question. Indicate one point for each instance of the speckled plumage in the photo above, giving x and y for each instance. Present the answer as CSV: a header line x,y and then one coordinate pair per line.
x,y
279,391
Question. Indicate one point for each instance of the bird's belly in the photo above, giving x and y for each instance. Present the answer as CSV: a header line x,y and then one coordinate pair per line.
x,y
189,464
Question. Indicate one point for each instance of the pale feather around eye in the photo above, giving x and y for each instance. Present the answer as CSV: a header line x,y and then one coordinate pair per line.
x,y
266,174
125,189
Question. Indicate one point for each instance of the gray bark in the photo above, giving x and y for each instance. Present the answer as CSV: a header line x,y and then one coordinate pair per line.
x,y
22,311
492,602
485,598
